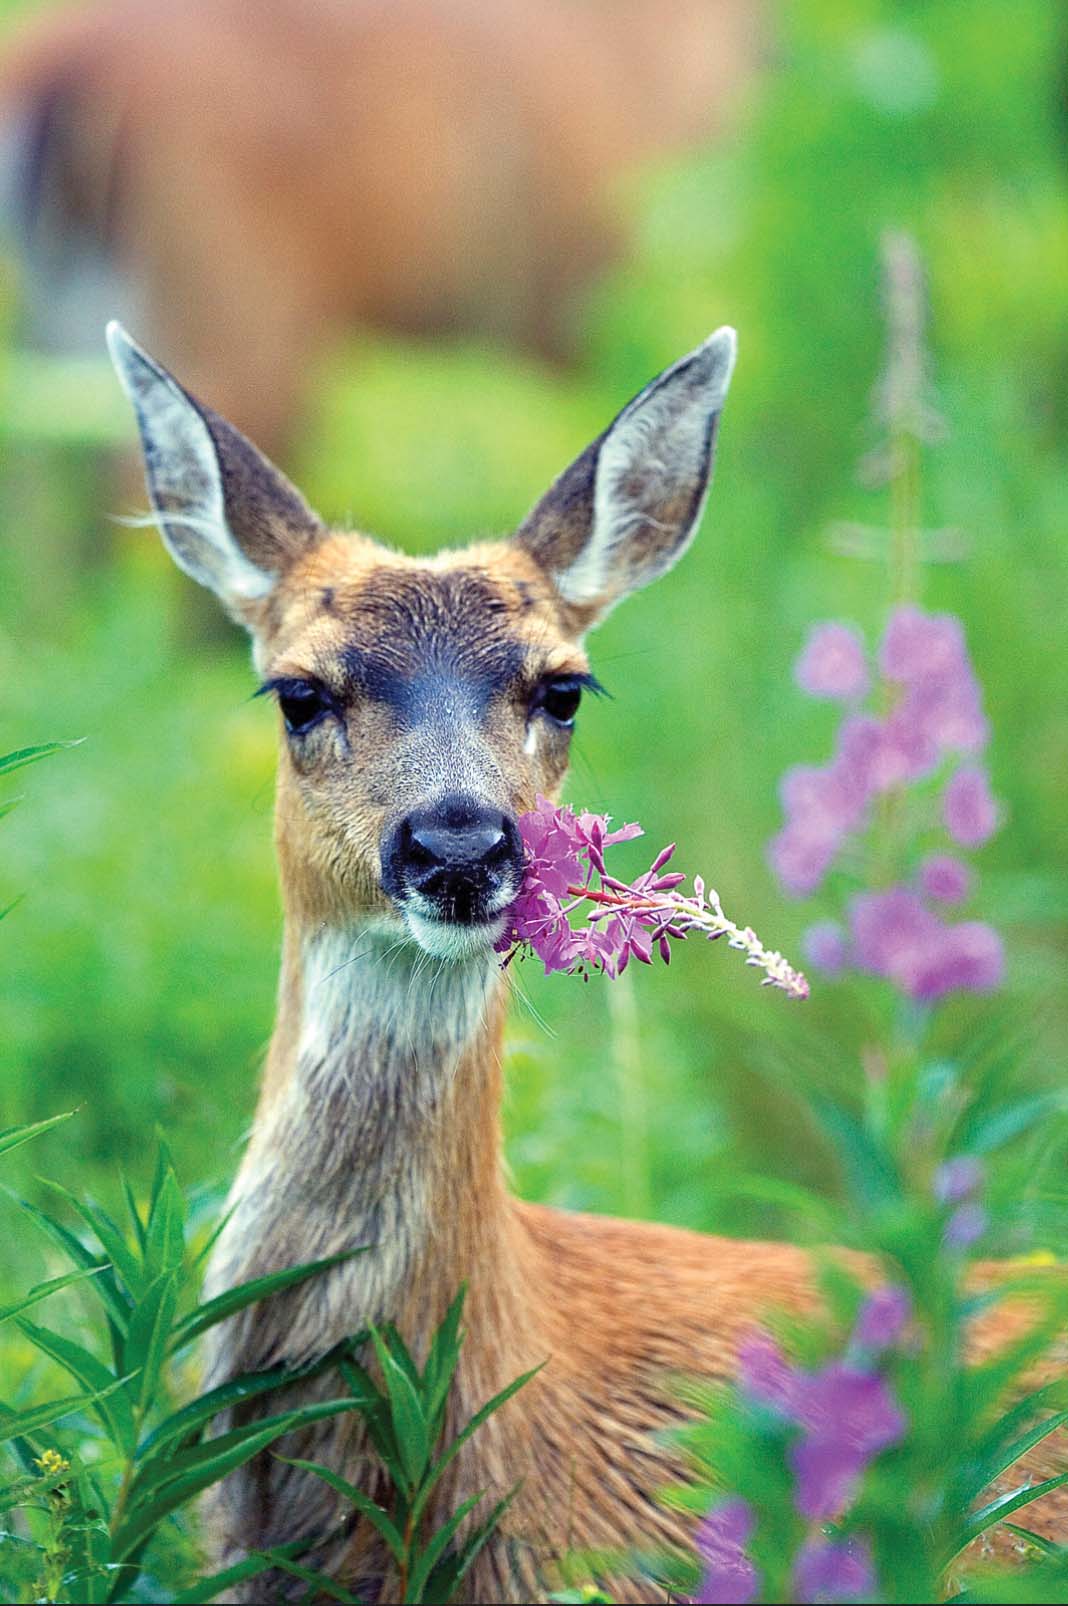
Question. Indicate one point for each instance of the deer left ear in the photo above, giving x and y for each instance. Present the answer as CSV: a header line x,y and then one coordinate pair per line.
x,y
628,508
228,517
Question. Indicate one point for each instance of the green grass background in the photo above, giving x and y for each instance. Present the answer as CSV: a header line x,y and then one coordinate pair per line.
x,y
137,974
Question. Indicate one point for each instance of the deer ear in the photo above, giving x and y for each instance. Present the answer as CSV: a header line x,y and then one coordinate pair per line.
x,y
628,508
228,516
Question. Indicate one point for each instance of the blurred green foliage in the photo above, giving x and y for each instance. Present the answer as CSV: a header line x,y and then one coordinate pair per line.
x,y
139,971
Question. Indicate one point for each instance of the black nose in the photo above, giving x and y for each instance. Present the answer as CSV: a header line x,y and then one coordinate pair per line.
x,y
463,860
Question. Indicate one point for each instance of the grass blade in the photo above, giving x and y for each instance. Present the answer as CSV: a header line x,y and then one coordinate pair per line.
x,y
22,756
43,1290
1000,1508
234,1299
378,1518
115,1303
322,1584
188,1473
208,1588
462,1437
436,1547
111,1404
406,1410
12,1136
194,1416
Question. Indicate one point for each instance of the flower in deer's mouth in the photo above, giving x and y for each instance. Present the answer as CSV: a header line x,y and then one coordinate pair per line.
x,y
564,852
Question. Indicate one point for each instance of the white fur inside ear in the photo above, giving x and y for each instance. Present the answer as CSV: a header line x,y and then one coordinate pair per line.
x,y
184,479
657,446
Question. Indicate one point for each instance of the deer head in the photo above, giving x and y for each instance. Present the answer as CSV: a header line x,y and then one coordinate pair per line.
x,y
424,702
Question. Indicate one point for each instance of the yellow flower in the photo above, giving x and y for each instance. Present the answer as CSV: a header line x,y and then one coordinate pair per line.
x,y
52,1464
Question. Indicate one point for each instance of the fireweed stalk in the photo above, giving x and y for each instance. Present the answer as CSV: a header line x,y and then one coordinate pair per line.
x,y
905,785
624,920
867,1478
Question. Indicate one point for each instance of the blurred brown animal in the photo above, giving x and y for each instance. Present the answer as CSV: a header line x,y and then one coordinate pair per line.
x,y
424,703
243,181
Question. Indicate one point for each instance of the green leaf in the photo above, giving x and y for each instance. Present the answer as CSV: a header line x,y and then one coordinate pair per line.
x,y
135,1215
208,1588
1000,1508
115,1303
1007,1455
194,1416
441,1362
435,1548
111,1405
322,1584
15,1423
377,1418
114,1244
43,1290
178,1478
406,1411
234,1299
401,1354
165,1229
462,1437
869,1170
164,1168
30,755
12,1136
379,1519
447,1575
1046,1546
150,1331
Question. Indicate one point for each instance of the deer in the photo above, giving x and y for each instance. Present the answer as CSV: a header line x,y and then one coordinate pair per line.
x,y
423,705
250,183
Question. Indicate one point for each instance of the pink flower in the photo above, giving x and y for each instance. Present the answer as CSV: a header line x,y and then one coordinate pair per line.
x,y
833,663
949,712
829,1571
730,1579
564,852
969,957
800,859
826,947
849,1416
883,1317
969,810
895,935
892,931
920,646
944,878
958,1178
766,1376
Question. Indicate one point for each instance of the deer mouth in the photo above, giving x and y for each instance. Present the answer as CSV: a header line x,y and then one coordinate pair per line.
x,y
453,939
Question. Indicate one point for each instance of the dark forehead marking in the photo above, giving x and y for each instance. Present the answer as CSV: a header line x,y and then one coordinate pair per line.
x,y
414,637
327,599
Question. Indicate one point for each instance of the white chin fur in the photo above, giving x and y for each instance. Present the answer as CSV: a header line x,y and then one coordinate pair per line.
x,y
446,941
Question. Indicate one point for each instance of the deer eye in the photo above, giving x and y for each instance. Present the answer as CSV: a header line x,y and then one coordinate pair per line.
x,y
303,705
560,697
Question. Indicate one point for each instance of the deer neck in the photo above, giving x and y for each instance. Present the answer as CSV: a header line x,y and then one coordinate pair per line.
x,y
379,1127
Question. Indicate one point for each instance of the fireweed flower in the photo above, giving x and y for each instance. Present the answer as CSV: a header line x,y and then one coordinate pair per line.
x,y
628,920
846,1411
833,663
834,1570
958,1182
729,1577
930,718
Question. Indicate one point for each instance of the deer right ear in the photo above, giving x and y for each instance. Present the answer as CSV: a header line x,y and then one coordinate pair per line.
x,y
628,508
228,516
